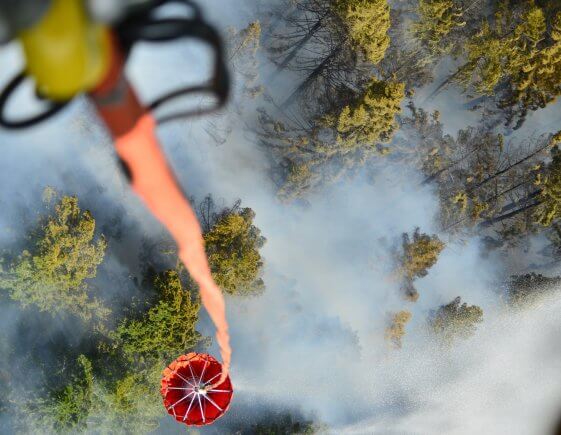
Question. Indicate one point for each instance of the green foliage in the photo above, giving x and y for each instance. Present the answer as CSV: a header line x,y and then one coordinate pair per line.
x,y
550,195
232,244
125,397
130,405
480,176
420,253
437,19
73,403
503,49
455,320
298,179
368,22
536,83
339,142
244,45
167,329
49,195
396,330
119,393
371,119
52,274
66,410
516,57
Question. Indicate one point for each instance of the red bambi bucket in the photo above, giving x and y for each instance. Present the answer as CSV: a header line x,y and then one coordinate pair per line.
x,y
188,393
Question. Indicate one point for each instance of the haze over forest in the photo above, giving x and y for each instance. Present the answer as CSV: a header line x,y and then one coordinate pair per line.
x,y
381,206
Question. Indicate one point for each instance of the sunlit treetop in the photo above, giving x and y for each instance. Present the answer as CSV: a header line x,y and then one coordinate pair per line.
x,y
63,254
167,328
501,48
243,47
233,242
420,253
537,82
372,118
550,195
455,320
437,19
368,22
396,330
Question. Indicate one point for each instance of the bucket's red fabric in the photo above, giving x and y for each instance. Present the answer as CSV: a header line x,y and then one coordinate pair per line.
x,y
178,396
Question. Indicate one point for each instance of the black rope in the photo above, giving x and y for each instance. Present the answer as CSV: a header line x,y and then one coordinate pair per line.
x,y
54,107
151,29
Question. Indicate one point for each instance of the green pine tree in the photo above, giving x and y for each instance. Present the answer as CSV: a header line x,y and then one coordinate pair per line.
x,y
232,243
368,22
437,19
167,329
53,273
455,320
372,118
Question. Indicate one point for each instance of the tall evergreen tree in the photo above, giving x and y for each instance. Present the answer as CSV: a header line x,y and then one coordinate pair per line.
x,y
455,320
396,330
514,58
336,144
523,290
232,244
437,19
167,329
372,118
368,22
65,410
420,253
52,274
550,191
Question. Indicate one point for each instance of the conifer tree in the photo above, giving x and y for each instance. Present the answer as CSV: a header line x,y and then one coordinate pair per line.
x,y
372,118
500,51
396,330
455,320
368,22
167,329
244,45
337,143
348,38
420,253
528,288
437,19
514,58
537,83
550,191
65,410
417,255
52,273
131,401
233,242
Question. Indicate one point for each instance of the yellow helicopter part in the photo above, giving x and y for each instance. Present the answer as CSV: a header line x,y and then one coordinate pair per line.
x,y
66,52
